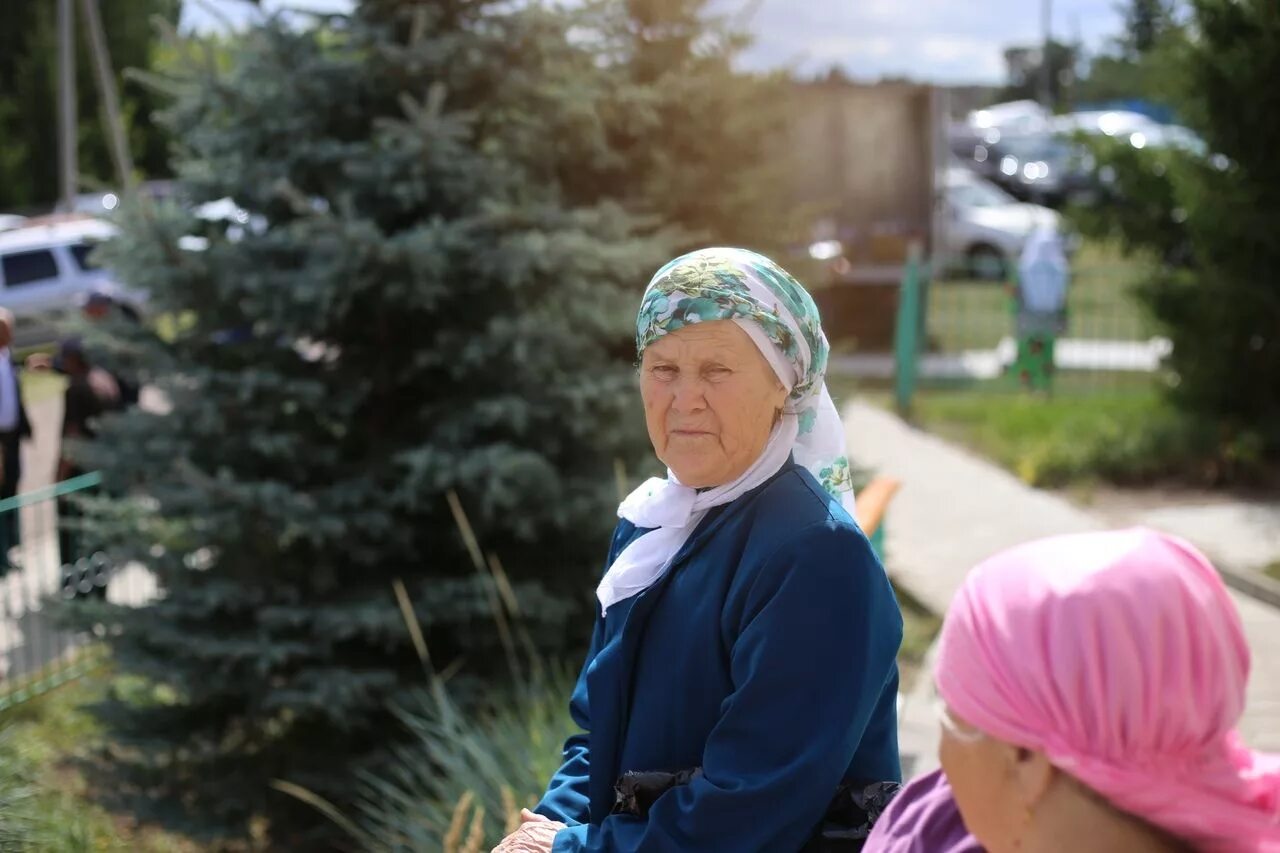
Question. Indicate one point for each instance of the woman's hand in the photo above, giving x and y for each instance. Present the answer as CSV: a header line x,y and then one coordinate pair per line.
x,y
536,835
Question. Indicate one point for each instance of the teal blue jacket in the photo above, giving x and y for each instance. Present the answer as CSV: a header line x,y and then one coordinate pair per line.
x,y
766,655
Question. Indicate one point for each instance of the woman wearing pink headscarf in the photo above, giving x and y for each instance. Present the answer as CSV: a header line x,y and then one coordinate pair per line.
x,y
1091,686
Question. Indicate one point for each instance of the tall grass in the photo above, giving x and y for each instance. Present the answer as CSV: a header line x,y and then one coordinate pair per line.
x,y
463,776
18,793
32,816
458,779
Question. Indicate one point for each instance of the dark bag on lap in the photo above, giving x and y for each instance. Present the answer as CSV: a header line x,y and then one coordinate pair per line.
x,y
853,810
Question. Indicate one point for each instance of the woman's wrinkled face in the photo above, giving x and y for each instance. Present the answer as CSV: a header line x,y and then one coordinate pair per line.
x,y
710,401
995,783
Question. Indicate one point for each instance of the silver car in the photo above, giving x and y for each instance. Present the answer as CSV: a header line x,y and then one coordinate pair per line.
x,y
45,271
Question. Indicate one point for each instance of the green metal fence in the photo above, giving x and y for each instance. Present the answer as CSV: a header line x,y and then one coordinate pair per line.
x,y
965,332
44,557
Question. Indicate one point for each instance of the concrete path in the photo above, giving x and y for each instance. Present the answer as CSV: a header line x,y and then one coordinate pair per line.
x,y
1243,535
40,454
956,509
1069,354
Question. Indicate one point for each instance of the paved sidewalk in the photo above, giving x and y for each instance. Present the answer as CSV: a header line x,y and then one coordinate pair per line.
x,y
1069,354
955,509
40,454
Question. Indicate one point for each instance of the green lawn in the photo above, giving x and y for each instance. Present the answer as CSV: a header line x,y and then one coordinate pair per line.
x,y
967,314
1127,438
45,746
41,385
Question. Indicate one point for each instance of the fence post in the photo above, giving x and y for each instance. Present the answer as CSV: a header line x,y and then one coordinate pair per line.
x,y
906,340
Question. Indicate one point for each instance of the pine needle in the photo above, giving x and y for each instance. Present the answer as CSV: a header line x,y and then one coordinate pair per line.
x,y
417,26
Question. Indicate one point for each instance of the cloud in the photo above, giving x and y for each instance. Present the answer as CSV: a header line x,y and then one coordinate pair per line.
x,y
838,48
981,58
947,41
944,41
217,15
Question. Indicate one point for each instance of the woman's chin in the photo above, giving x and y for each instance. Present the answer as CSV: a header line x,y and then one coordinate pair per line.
x,y
697,474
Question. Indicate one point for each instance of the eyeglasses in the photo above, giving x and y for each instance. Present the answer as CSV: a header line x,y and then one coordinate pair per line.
x,y
960,731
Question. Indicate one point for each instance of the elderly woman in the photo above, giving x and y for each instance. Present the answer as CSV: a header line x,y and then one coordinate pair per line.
x,y
747,634
1091,686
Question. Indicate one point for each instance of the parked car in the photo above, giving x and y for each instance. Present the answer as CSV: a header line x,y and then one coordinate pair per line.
x,y
1118,123
45,270
104,204
1016,117
10,221
983,228
1043,168
1138,129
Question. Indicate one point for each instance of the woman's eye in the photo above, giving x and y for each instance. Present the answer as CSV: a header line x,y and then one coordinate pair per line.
x,y
663,371
718,372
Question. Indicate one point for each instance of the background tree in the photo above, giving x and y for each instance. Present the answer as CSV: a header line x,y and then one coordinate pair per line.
x,y
1212,218
1145,22
1024,69
462,206
1136,66
695,142
28,97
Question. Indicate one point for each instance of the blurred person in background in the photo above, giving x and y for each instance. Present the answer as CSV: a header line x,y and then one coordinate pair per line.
x,y
14,427
1040,295
91,392
102,302
1090,688
98,305
740,690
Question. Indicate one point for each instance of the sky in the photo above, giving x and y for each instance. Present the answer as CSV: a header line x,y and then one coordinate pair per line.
x,y
939,41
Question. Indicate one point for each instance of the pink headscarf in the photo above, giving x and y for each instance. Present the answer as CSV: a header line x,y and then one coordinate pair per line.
x,y
1122,658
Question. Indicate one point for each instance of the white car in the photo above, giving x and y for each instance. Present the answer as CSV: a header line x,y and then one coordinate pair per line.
x,y
983,228
45,270
1013,117
10,221
1121,123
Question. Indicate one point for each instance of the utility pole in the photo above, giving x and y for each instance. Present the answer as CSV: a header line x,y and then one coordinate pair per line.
x,y
68,169
110,100
1046,65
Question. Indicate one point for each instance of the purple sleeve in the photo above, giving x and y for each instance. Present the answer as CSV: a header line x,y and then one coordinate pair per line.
x,y
923,818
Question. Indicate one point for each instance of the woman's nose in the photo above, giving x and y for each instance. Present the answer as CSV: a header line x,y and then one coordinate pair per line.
x,y
687,395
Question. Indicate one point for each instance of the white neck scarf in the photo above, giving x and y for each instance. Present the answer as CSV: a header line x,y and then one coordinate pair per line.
x,y
674,510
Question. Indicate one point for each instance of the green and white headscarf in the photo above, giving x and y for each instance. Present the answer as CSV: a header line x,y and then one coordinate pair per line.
x,y
782,320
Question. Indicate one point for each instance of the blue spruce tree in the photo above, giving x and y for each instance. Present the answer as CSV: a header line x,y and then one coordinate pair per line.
x,y
452,209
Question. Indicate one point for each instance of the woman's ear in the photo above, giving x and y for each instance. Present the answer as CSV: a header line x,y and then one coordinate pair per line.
x,y
1033,774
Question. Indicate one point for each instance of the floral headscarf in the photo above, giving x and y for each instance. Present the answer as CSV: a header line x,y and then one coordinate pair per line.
x,y
735,284
782,320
